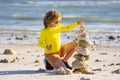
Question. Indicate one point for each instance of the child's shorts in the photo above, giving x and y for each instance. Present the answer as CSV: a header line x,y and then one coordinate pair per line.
x,y
65,48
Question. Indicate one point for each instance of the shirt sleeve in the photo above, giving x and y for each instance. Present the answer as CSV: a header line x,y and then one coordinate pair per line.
x,y
41,41
69,27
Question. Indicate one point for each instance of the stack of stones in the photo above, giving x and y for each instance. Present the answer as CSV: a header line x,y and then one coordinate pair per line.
x,y
80,65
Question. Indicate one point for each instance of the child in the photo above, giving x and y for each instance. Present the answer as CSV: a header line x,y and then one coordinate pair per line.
x,y
56,55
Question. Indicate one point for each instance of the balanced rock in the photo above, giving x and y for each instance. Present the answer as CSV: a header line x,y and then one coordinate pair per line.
x,y
81,70
82,50
84,43
81,57
82,33
83,37
78,64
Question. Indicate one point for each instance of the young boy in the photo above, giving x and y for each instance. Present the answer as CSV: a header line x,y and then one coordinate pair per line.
x,y
56,55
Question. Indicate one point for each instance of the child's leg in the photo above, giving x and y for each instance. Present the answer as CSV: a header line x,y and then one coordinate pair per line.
x,y
67,50
55,60
48,65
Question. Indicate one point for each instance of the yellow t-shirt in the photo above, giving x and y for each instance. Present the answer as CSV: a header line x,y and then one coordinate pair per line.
x,y
51,36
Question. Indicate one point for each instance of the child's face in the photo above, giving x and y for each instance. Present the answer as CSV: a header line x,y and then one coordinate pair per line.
x,y
59,19
55,22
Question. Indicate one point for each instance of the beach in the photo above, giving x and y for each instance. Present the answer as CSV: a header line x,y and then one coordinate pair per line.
x,y
22,20
103,62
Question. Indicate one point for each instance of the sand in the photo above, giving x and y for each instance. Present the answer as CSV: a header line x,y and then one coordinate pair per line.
x,y
103,62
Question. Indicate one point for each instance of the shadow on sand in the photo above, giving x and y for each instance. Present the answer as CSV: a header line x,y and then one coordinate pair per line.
x,y
19,72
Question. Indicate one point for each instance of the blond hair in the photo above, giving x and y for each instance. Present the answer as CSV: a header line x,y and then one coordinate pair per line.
x,y
51,17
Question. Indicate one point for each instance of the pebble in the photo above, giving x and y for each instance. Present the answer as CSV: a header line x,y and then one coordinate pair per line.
x,y
118,64
37,61
116,71
97,60
84,78
104,53
99,69
41,70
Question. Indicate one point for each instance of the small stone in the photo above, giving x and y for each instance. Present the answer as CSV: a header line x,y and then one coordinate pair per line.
x,y
111,64
82,78
18,38
41,70
111,38
118,64
104,65
4,61
9,52
14,60
37,61
99,69
104,53
68,37
97,60
116,71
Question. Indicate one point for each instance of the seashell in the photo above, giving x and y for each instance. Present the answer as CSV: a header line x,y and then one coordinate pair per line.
x,y
9,52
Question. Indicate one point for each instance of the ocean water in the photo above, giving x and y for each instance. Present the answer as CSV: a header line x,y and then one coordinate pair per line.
x,y
26,15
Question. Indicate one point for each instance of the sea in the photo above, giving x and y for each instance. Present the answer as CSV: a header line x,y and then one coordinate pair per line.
x,y
101,17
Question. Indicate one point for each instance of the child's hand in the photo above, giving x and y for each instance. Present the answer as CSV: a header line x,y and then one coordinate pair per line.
x,y
81,23
49,47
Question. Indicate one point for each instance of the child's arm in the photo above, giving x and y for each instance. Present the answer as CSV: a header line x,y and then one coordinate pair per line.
x,y
71,26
